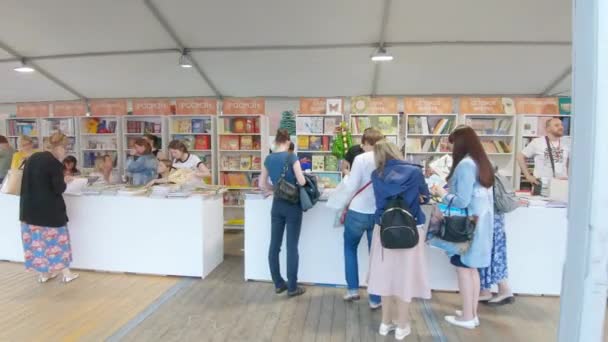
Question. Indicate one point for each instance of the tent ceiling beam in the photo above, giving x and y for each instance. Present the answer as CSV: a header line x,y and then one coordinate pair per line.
x,y
381,41
42,71
558,80
171,32
291,47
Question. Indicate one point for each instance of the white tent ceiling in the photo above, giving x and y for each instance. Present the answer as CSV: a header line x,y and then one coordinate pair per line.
x,y
284,47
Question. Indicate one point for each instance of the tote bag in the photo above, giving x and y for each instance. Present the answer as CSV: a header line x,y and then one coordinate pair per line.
x,y
12,182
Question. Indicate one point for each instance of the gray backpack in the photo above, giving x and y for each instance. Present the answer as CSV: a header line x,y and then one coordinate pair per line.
x,y
505,200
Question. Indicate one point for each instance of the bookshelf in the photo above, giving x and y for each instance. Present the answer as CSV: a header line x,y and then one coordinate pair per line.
x,y
16,127
497,133
65,125
242,145
388,124
314,139
531,126
99,135
426,136
135,126
197,132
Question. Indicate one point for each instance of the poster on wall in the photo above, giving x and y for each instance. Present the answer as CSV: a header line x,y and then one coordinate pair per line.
x,y
537,105
334,106
243,106
32,110
313,105
428,105
116,107
487,105
152,107
565,105
196,106
373,105
69,108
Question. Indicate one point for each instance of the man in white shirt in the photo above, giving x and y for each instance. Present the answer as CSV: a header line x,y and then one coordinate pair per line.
x,y
360,216
542,149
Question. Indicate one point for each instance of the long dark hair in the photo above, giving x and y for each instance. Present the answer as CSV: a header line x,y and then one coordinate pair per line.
x,y
466,142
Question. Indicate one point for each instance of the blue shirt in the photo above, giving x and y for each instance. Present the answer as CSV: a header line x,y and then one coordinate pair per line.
x,y
275,162
400,178
144,169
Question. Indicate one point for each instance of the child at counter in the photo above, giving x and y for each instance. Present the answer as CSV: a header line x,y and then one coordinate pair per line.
x,y
104,171
165,169
69,166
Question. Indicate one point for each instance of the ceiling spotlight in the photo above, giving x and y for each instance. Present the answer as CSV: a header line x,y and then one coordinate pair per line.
x,y
24,67
381,55
184,60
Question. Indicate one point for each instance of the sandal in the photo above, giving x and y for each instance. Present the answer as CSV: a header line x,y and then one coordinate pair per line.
x,y
70,278
42,279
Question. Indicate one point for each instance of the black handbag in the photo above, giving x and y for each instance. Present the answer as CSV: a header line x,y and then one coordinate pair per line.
x,y
457,228
285,190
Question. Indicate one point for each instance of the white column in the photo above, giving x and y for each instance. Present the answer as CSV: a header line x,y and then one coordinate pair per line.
x,y
583,301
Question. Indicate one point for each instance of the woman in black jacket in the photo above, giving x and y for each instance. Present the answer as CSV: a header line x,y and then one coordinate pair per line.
x,y
43,216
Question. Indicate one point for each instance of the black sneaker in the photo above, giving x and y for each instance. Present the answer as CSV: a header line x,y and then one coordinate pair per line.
x,y
298,292
281,289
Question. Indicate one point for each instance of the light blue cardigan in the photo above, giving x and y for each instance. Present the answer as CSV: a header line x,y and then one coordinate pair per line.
x,y
467,192
144,169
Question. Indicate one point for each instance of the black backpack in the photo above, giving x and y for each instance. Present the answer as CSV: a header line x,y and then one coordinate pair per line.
x,y
398,228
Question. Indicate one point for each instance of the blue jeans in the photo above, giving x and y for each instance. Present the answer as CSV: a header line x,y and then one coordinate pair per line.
x,y
355,225
285,215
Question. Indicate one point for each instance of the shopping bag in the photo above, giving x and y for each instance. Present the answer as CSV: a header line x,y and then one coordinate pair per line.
x,y
12,182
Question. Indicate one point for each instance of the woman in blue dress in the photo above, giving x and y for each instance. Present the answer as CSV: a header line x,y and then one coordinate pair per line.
x,y
470,187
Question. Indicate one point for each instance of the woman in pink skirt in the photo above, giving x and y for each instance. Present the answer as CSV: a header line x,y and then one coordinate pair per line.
x,y
43,216
398,275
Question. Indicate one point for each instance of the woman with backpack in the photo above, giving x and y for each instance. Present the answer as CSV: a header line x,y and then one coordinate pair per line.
x,y
470,187
397,275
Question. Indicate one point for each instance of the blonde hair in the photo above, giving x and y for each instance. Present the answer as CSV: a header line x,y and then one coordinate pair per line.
x,y
99,160
26,139
168,163
56,140
383,152
371,136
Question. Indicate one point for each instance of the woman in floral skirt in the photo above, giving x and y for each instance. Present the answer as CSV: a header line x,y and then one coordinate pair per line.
x,y
43,216
497,273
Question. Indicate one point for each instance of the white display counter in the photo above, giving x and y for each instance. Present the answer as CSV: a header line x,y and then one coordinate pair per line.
x,y
536,246
182,237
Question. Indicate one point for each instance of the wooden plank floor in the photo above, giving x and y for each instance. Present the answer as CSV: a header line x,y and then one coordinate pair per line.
x,y
225,308
91,308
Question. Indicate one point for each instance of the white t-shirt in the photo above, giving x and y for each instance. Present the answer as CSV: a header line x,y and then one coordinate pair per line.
x,y
190,163
560,149
361,174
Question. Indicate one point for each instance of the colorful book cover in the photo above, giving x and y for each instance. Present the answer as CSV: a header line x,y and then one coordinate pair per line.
x,y
303,142
305,160
229,142
326,143
239,125
202,142
318,163
331,163
246,142
257,143
315,143
198,126
256,163
530,126
565,105
250,125
330,125
386,124
188,140
245,162
329,180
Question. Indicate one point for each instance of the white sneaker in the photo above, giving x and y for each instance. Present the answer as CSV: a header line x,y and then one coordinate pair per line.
x,y
463,324
351,296
401,334
375,306
459,313
386,328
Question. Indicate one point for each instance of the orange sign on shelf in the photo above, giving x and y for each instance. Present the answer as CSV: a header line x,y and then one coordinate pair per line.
x,y
484,105
151,107
69,108
537,105
244,106
32,110
108,107
196,106
313,105
428,105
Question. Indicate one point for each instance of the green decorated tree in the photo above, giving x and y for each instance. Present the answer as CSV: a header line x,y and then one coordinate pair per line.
x,y
288,122
342,142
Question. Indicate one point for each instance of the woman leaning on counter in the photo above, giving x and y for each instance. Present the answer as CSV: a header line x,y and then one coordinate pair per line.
x,y
43,215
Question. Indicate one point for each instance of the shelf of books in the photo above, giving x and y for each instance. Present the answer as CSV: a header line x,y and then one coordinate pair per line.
x,y
497,134
134,127
99,136
314,137
426,136
65,125
196,132
532,127
388,124
16,127
242,142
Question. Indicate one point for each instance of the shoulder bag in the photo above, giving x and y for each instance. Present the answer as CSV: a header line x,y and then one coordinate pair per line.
x,y
457,228
285,190
550,155
345,210
12,182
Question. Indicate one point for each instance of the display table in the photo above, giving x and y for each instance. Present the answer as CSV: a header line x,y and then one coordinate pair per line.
x,y
536,246
182,237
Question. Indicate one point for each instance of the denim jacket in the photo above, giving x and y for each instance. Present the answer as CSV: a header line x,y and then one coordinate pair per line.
x,y
143,169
